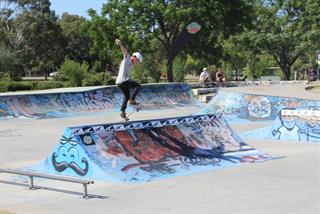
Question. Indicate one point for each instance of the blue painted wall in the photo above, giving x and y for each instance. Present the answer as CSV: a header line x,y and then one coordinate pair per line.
x,y
240,106
151,96
300,125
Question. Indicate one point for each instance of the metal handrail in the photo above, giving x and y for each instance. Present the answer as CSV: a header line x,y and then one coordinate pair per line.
x,y
31,175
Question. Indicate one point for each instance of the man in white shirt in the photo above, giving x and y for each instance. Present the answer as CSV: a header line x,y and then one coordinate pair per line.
x,y
205,78
124,82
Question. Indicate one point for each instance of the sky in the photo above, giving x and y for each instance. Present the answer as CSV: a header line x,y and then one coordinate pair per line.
x,y
76,7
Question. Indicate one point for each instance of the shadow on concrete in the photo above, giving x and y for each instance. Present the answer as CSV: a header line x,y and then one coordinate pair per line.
x,y
90,196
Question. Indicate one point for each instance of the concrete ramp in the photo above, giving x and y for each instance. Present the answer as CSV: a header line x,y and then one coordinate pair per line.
x,y
140,151
300,125
88,102
253,107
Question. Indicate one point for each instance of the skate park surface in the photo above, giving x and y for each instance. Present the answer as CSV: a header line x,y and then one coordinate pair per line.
x,y
286,185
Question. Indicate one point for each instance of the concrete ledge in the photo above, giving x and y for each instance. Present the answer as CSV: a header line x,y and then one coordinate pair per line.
x,y
270,78
201,91
205,98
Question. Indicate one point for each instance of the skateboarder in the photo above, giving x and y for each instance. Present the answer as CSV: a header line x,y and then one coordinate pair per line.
x,y
123,80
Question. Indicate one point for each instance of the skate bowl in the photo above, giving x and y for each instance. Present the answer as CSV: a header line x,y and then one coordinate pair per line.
x,y
252,107
300,125
100,100
147,150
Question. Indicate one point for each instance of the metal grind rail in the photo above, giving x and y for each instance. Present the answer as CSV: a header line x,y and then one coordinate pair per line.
x,y
31,175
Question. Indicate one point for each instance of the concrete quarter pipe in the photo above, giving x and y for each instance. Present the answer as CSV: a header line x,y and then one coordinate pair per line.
x,y
253,107
102,100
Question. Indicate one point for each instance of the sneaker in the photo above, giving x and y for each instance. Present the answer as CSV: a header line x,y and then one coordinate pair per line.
x,y
133,102
123,114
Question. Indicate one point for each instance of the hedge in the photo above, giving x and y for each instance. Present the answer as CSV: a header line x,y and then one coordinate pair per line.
x,y
6,86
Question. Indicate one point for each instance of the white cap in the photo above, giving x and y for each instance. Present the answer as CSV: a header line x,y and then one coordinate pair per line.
x,y
204,69
138,55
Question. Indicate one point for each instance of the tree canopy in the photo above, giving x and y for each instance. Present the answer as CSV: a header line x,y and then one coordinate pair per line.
x,y
32,32
238,33
137,22
285,29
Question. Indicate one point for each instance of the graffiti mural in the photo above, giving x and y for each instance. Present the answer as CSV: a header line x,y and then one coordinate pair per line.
x,y
300,125
259,107
152,149
254,107
156,96
58,104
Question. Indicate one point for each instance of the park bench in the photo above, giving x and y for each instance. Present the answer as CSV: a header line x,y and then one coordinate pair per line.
x,y
31,175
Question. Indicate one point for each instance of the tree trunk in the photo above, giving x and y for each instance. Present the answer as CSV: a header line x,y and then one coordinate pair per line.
x,y
170,71
282,61
286,71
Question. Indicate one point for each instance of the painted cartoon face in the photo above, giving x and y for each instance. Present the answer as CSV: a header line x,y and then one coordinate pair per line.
x,y
314,127
288,121
259,107
67,157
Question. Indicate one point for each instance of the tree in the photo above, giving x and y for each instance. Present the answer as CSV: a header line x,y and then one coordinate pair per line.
x,y
36,34
11,38
235,56
285,29
153,63
246,62
9,62
102,39
44,36
137,22
78,43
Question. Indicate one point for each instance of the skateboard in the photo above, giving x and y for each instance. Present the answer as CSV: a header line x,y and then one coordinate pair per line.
x,y
136,108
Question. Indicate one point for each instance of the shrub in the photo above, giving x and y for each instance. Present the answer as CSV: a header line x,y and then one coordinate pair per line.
x,y
98,79
19,86
33,83
6,76
74,72
179,69
4,86
48,85
149,68
29,85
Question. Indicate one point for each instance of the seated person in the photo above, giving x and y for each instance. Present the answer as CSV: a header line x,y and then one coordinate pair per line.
x,y
205,78
312,75
220,78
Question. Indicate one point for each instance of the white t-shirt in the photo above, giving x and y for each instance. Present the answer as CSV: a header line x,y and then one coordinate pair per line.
x,y
204,76
289,134
124,70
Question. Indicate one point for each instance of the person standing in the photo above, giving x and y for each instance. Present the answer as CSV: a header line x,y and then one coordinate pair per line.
x,y
124,83
295,75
